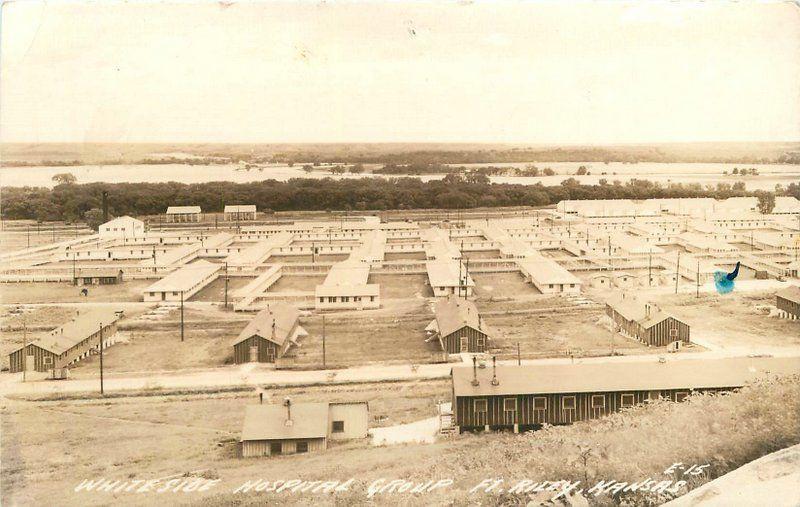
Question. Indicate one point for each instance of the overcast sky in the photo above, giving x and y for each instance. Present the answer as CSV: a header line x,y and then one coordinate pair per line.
x,y
371,72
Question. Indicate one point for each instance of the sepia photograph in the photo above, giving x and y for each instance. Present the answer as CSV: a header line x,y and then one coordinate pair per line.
x,y
400,253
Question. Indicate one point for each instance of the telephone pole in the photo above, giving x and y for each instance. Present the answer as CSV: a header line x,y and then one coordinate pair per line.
x,y
102,392
697,280
677,272
323,343
24,348
226,285
519,357
650,268
181,315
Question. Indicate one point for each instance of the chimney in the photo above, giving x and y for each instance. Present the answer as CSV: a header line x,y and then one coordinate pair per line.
x,y
647,310
495,382
475,371
288,404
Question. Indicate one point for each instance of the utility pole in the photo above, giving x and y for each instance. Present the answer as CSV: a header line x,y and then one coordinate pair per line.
x,y
226,285
54,233
519,357
181,315
466,280
613,331
24,347
460,280
101,359
323,343
677,272
155,268
74,278
650,268
697,279
29,236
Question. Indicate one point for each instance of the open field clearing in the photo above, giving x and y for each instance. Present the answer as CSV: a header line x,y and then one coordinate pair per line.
x,y
489,285
402,286
735,320
215,291
20,239
65,292
292,283
550,335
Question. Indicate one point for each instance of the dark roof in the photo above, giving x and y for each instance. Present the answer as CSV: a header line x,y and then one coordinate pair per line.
x,y
619,376
274,323
453,313
634,309
268,422
792,293
85,324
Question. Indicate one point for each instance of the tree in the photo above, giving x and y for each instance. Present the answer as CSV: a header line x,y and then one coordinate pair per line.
x,y
735,170
308,168
93,218
64,178
549,172
766,202
357,168
582,170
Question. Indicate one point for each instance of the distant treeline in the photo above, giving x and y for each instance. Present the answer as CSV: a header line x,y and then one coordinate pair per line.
x,y
72,201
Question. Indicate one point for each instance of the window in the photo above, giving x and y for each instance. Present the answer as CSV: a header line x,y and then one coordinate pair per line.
x,y
357,298
510,404
551,285
174,293
598,401
480,406
337,427
540,403
680,396
568,403
345,299
372,298
302,446
331,299
627,400
275,448
47,360
480,341
321,300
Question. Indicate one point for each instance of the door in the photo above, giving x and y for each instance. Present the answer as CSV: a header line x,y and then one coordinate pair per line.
x,y
464,344
163,296
253,353
275,448
30,363
270,355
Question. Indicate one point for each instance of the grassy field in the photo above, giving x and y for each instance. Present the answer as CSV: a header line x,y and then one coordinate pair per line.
x,y
20,239
292,283
215,291
51,292
402,286
502,285
49,447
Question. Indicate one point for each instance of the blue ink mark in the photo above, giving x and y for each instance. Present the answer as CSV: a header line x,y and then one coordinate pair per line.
x,y
724,282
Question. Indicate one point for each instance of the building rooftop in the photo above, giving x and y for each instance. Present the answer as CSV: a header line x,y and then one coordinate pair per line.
x,y
269,422
620,376
240,208
453,313
276,323
792,293
185,278
444,273
636,310
546,271
180,210
83,325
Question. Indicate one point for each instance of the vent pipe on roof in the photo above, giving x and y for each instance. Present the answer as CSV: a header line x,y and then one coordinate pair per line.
x,y
288,404
475,371
495,382
647,311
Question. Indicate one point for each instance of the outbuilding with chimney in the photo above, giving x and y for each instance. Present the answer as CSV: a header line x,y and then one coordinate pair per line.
x,y
296,428
458,326
269,336
645,321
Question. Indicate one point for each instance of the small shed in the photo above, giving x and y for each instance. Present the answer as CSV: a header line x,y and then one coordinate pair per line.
x,y
458,326
601,280
788,302
292,428
97,277
269,336
623,279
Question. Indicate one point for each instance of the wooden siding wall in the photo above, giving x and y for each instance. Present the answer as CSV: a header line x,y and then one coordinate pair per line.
x,y
452,342
525,415
787,306
657,335
15,359
74,354
241,351
253,448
